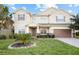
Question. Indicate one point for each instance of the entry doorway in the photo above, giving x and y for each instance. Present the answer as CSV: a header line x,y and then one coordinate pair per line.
x,y
33,31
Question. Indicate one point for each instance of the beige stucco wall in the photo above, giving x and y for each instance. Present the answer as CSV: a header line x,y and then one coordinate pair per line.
x,y
21,24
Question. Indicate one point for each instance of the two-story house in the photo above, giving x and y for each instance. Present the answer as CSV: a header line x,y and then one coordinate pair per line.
x,y
54,21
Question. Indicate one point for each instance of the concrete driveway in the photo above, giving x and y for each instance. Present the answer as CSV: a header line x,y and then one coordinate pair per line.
x,y
71,41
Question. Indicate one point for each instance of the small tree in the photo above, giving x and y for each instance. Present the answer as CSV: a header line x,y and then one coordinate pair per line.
x,y
24,38
75,23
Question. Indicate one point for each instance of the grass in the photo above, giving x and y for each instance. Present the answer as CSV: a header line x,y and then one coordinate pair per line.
x,y
44,47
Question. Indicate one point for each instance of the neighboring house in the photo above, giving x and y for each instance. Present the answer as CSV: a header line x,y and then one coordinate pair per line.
x,y
54,21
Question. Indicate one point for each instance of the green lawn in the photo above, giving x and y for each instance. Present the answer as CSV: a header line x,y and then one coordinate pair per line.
x,y
43,47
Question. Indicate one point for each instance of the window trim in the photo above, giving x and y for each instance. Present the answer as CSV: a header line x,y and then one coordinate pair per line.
x,y
58,20
43,31
21,17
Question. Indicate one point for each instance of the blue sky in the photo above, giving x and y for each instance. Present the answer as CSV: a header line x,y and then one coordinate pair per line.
x,y
35,8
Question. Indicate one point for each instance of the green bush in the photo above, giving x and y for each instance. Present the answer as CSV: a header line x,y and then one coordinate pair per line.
x,y
24,38
77,33
2,37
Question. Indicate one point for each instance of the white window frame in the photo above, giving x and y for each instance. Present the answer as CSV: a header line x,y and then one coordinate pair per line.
x,y
60,18
43,31
21,16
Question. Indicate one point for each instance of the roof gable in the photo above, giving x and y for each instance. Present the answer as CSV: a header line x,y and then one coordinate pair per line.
x,y
21,9
52,10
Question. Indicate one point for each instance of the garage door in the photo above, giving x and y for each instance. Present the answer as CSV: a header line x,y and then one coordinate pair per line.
x,y
62,33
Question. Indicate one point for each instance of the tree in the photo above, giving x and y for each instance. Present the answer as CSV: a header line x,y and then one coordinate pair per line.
x,y
4,16
75,25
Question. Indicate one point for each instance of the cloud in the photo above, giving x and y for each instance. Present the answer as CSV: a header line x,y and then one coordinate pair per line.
x,y
13,8
76,5
43,7
73,5
24,8
38,5
51,5
10,5
70,5
70,11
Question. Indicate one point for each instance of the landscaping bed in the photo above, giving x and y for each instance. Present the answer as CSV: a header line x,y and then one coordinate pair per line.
x,y
21,45
18,45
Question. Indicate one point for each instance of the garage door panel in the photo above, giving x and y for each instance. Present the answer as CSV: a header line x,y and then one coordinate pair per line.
x,y
62,33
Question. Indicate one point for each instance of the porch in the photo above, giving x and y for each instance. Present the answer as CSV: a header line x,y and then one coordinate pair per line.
x,y
50,31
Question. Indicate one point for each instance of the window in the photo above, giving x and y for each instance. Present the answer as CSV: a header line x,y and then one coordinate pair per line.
x,y
21,17
43,32
60,18
21,31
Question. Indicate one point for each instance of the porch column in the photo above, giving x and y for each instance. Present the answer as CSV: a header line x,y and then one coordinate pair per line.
x,y
51,30
38,31
27,29
72,35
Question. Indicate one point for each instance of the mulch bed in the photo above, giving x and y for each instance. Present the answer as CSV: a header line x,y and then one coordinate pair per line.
x,y
21,45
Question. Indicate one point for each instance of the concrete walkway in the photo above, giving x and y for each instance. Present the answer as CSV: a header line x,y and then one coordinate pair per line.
x,y
71,41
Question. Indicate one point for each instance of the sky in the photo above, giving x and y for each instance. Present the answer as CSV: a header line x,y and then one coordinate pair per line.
x,y
35,8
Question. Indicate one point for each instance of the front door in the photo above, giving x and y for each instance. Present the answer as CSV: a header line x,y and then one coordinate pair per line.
x,y
33,31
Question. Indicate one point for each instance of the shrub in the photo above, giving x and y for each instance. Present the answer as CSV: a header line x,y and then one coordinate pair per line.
x,y
77,33
24,38
53,36
11,36
46,36
2,37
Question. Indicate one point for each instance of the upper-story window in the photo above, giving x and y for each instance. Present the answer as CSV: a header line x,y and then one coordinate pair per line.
x,y
21,17
60,18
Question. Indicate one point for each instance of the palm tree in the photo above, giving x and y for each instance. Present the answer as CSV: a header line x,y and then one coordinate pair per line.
x,y
5,16
75,25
